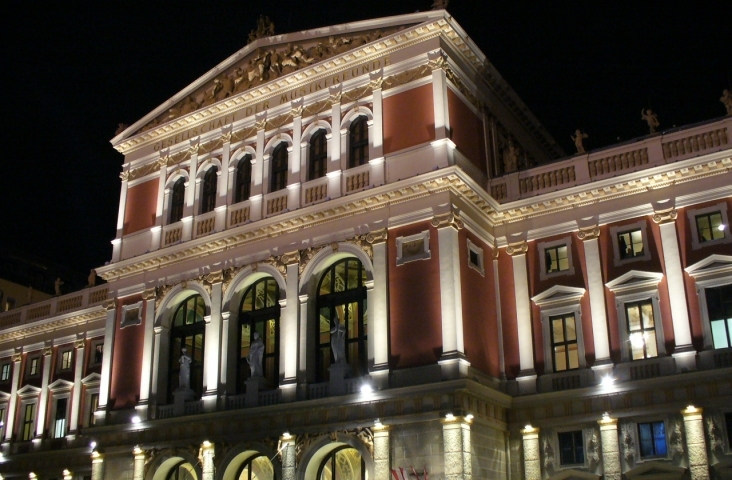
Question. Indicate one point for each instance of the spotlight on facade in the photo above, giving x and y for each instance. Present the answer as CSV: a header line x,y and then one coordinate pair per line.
x,y
93,445
136,419
378,424
206,444
137,450
366,389
449,416
286,436
528,428
469,417
607,380
691,409
721,227
32,476
606,417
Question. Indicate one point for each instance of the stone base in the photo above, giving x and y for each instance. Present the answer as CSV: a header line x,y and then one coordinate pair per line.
x,y
254,385
338,374
180,397
685,359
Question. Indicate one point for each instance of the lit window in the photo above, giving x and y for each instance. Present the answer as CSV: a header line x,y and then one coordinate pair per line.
x,y
208,195
630,244
719,309
98,353
278,181
318,155
2,421
66,359
709,227
5,372
564,342
182,471
555,259
343,463
29,416
571,448
260,314
177,200
33,367
243,179
188,331
59,424
652,439
358,142
93,405
641,330
257,467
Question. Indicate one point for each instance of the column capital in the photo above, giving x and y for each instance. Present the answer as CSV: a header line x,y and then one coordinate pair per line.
x,y
437,59
692,411
149,294
79,343
110,304
47,351
377,236
17,357
290,258
448,219
519,248
589,233
667,215
606,421
529,431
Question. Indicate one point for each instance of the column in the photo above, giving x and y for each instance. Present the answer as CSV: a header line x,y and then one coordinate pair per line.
x,y
43,399
684,352
213,337
527,376
109,330
376,131
456,444
379,308
207,460
97,466
160,209
532,453
138,469
67,475
293,157
453,361
117,242
596,290
160,364
11,416
191,188
382,464
147,351
225,349
289,457
610,447
76,395
288,331
222,187
334,144
303,335
695,443
439,94
499,315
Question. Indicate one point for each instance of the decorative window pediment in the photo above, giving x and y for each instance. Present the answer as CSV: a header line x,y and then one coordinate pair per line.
x,y
635,281
60,385
656,471
558,295
29,391
711,267
91,379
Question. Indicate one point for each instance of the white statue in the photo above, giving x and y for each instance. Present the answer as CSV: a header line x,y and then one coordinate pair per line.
x,y
726,100
256,352
338,341
184,375
92,277
578,140
651,119
57,285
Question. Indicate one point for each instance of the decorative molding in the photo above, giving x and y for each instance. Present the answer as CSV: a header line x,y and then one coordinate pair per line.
x,y
160,293
665,216
214,277
79,344
17,357
149,294
110,304
519,248
377,236
290,257
589,233
47,351
52,326
449,219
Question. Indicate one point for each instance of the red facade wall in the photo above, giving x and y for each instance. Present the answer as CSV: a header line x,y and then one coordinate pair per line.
x,y
689,256
409,119
126,360
466,131
508,315
480,329
415,322
142,200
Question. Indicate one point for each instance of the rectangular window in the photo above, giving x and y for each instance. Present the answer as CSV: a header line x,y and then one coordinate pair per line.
x,y
719,309
564,342
98,353
2,421
641,330
571,448
66,359
709,226
652,439
93,405
29,415
555,259
59,424
5,372
630,244
34,365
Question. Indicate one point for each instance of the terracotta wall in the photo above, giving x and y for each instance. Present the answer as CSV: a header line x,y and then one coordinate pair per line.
x,y
508,315
140,206
466,131
409,119
126,360
414,304
480,328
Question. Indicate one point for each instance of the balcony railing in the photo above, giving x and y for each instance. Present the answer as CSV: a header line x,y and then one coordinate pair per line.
x,y
172,233
356,179
82,299
238,214
205,224
276,202
315,191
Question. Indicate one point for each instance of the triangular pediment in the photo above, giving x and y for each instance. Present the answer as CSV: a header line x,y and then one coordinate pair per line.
x,y
712,266
634,280
60,384
656,471
558,294
574,475
91,379
29,391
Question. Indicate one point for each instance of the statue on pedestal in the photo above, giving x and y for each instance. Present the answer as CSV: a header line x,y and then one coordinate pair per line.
x,y
578,140
726,100
256,352
184,375
651,119
338,341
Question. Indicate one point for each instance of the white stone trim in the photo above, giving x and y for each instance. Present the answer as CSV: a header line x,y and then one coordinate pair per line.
x,y
543,246
131,315
480,268
691,215
425,254
562,301
615,230
713,271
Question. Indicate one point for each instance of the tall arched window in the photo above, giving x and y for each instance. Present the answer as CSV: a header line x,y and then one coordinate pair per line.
x,y
187,331
208,195
257,467
260,313
182,471
358,142
278,180
318,155
243,179
342,299
343,463
177,200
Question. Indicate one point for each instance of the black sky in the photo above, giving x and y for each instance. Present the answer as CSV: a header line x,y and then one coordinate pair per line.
x,y
73,70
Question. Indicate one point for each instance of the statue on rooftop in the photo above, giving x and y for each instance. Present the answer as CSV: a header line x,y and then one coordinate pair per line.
x,y
57,285
510,157
578,140
651,119
726,100
265,28
254,359
440,4
92,277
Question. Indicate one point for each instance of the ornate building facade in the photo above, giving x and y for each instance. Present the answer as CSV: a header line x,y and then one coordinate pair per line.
x,y
337,259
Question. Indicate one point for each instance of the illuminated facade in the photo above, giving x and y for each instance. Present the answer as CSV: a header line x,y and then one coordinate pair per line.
x,y
359,207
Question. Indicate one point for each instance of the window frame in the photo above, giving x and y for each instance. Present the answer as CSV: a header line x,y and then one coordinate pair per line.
x,y
478,251
4,403
320,159
711,272
544,246
665,437
358,144
94,344
279,167
692,214
177,201
331,457
59,390
583,436
61,353
425,254
36,356
243,181
553,344
90,385
131,315
209,187
617,230
25,423
3,365
184,331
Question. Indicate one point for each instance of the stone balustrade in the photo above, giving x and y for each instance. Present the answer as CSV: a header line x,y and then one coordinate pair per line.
x,y
276,203
315,191
357,179
172,234
82,299
238,215
205,224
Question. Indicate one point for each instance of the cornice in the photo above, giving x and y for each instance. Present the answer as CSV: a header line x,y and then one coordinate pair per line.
x,y
40,328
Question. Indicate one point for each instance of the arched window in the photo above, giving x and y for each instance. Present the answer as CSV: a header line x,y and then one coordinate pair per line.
x,y
208,195
187,331
318,155
257,467
260,313
182,471
358,142
243,179
278,180
342,299
177,200
343,463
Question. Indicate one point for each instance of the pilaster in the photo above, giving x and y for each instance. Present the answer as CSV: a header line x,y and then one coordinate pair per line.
x,y
43,399
97,472
288,318
695,443
289,456
160,342
138,469
117,246
258,170
207,460
147,351
109,331
532,454
213,336
439,94
10,424
382,449
76,394
379,308
456,443
499,316
610,448
527,376
596,289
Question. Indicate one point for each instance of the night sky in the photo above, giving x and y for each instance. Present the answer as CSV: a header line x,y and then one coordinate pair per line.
x,y
74,70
